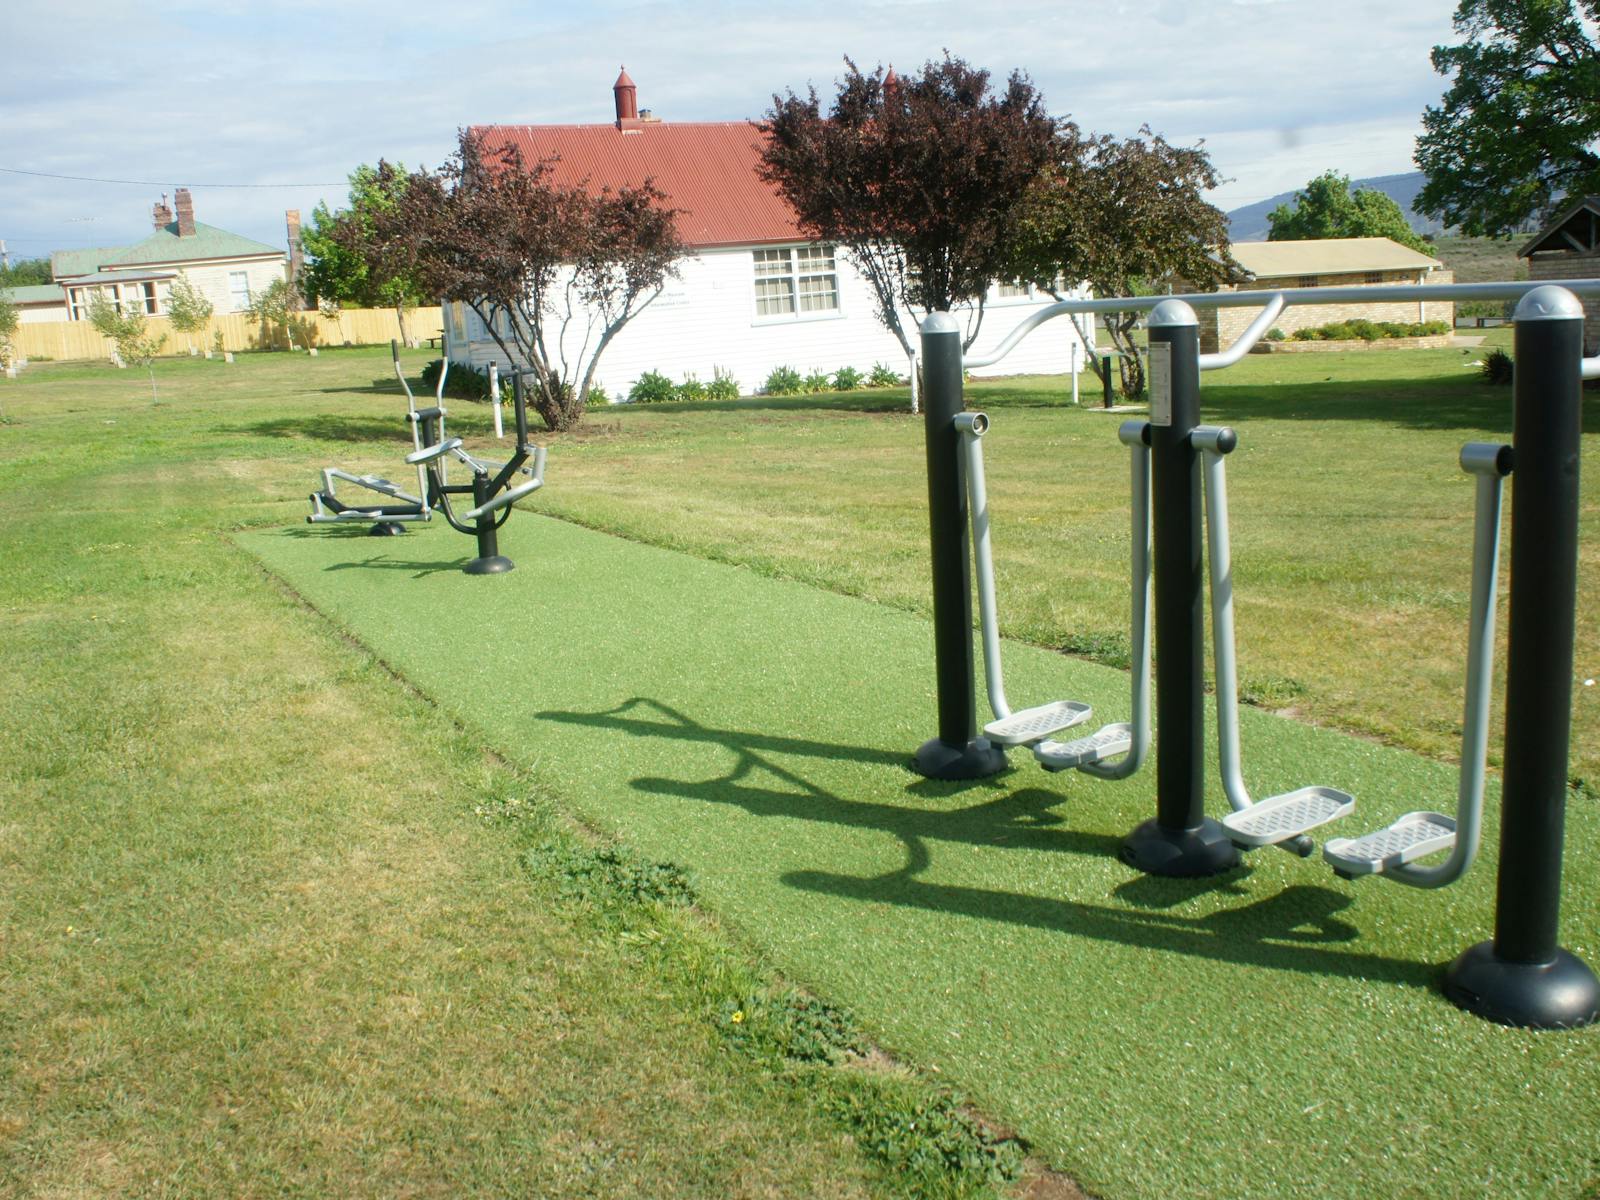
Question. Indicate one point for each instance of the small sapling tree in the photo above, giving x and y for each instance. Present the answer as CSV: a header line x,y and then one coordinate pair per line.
x,y
187,309
274,308
922,179
137,345
8,328
554,273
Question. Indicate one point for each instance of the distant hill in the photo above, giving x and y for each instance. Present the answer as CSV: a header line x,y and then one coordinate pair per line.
x,y
1249,224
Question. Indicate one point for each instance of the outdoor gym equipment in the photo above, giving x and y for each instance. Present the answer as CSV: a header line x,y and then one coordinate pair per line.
x,y
1392,852
1030,725
492,491
427,429
1521,977
1282,818
1125,741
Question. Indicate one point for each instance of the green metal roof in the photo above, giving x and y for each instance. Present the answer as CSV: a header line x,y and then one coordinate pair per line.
x,y
81,262
207,241
43,293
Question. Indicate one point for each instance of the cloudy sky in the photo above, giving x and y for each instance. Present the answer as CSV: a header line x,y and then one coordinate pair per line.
x,y
262,93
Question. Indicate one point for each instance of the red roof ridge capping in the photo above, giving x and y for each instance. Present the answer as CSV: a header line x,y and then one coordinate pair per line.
x,y
707,169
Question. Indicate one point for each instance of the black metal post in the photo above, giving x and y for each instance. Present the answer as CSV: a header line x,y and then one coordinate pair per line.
x,y
1523,977
489,561
957,753
1105,379
1181,840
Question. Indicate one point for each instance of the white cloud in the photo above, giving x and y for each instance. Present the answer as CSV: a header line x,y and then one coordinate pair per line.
x,y
229,91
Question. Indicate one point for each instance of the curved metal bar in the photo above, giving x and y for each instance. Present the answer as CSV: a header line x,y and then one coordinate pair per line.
x,y
511,495
972,426
1209,441
1489,462
1360,294
1247,339
1132,434
1591,368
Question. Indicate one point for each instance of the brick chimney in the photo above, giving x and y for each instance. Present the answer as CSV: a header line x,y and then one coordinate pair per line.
x,y
185,206
627,97
297,258
160,214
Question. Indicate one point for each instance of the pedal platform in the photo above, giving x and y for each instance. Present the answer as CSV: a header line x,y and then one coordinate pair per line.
x,y
1106,742
1279,818
1413,836
1035,724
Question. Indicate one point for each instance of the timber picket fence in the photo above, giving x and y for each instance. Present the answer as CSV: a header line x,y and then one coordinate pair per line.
x,y
67,340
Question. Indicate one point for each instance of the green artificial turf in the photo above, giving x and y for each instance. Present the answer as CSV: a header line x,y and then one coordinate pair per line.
x,y
1271,1032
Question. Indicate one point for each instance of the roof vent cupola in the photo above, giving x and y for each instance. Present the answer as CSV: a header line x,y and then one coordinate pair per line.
x,y
627,96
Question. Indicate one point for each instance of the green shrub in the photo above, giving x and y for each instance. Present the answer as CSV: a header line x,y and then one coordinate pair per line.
x,y
597,396
883,375
1497,367
691,389
465,382
1360,329
1275,334
723,385
816,381
653,388
782,381
847,379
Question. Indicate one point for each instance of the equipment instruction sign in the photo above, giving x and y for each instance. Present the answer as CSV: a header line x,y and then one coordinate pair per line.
x,y
1160,383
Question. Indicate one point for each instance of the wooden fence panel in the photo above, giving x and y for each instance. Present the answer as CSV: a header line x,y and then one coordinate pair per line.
x,y
65,340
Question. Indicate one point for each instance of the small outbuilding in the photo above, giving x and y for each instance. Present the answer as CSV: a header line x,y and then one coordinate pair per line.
x,y
1327,262
1569,248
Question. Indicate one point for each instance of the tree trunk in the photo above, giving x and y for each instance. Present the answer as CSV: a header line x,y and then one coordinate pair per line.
x,y
1130,364
400,315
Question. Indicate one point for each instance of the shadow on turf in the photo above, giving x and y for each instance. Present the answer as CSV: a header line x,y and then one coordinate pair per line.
x,y
1294,930
417,568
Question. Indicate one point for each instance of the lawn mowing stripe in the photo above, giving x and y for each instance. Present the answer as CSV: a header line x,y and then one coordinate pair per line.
x,y
1276,1032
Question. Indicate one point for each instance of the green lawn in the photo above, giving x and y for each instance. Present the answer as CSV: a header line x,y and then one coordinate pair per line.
x,y
257,885
266,927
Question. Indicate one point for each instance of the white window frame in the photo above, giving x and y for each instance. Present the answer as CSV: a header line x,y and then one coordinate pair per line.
x,y
795,259
234,290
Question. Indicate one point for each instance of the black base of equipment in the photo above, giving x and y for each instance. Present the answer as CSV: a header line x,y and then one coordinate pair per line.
x,y
386,529
1180,853
938,759
1560,994
494,564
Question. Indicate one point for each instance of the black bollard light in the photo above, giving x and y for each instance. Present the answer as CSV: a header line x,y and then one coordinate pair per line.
x,y
1181,840
1523,977
958,752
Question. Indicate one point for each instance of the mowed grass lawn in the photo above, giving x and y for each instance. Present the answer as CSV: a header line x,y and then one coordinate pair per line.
x,y
265,928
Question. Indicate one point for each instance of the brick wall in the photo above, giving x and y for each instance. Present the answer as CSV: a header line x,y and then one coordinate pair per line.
x,y
1554,268
1221,327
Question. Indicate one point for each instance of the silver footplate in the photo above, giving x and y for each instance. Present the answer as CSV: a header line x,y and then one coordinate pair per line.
x,y
1411,837
1106,742
1034,724
1278,818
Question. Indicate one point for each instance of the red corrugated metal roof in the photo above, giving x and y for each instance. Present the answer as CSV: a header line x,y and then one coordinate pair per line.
x,y
708,170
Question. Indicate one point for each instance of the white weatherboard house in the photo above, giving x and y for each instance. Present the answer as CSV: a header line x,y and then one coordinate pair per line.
x,y
227,269
753,293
